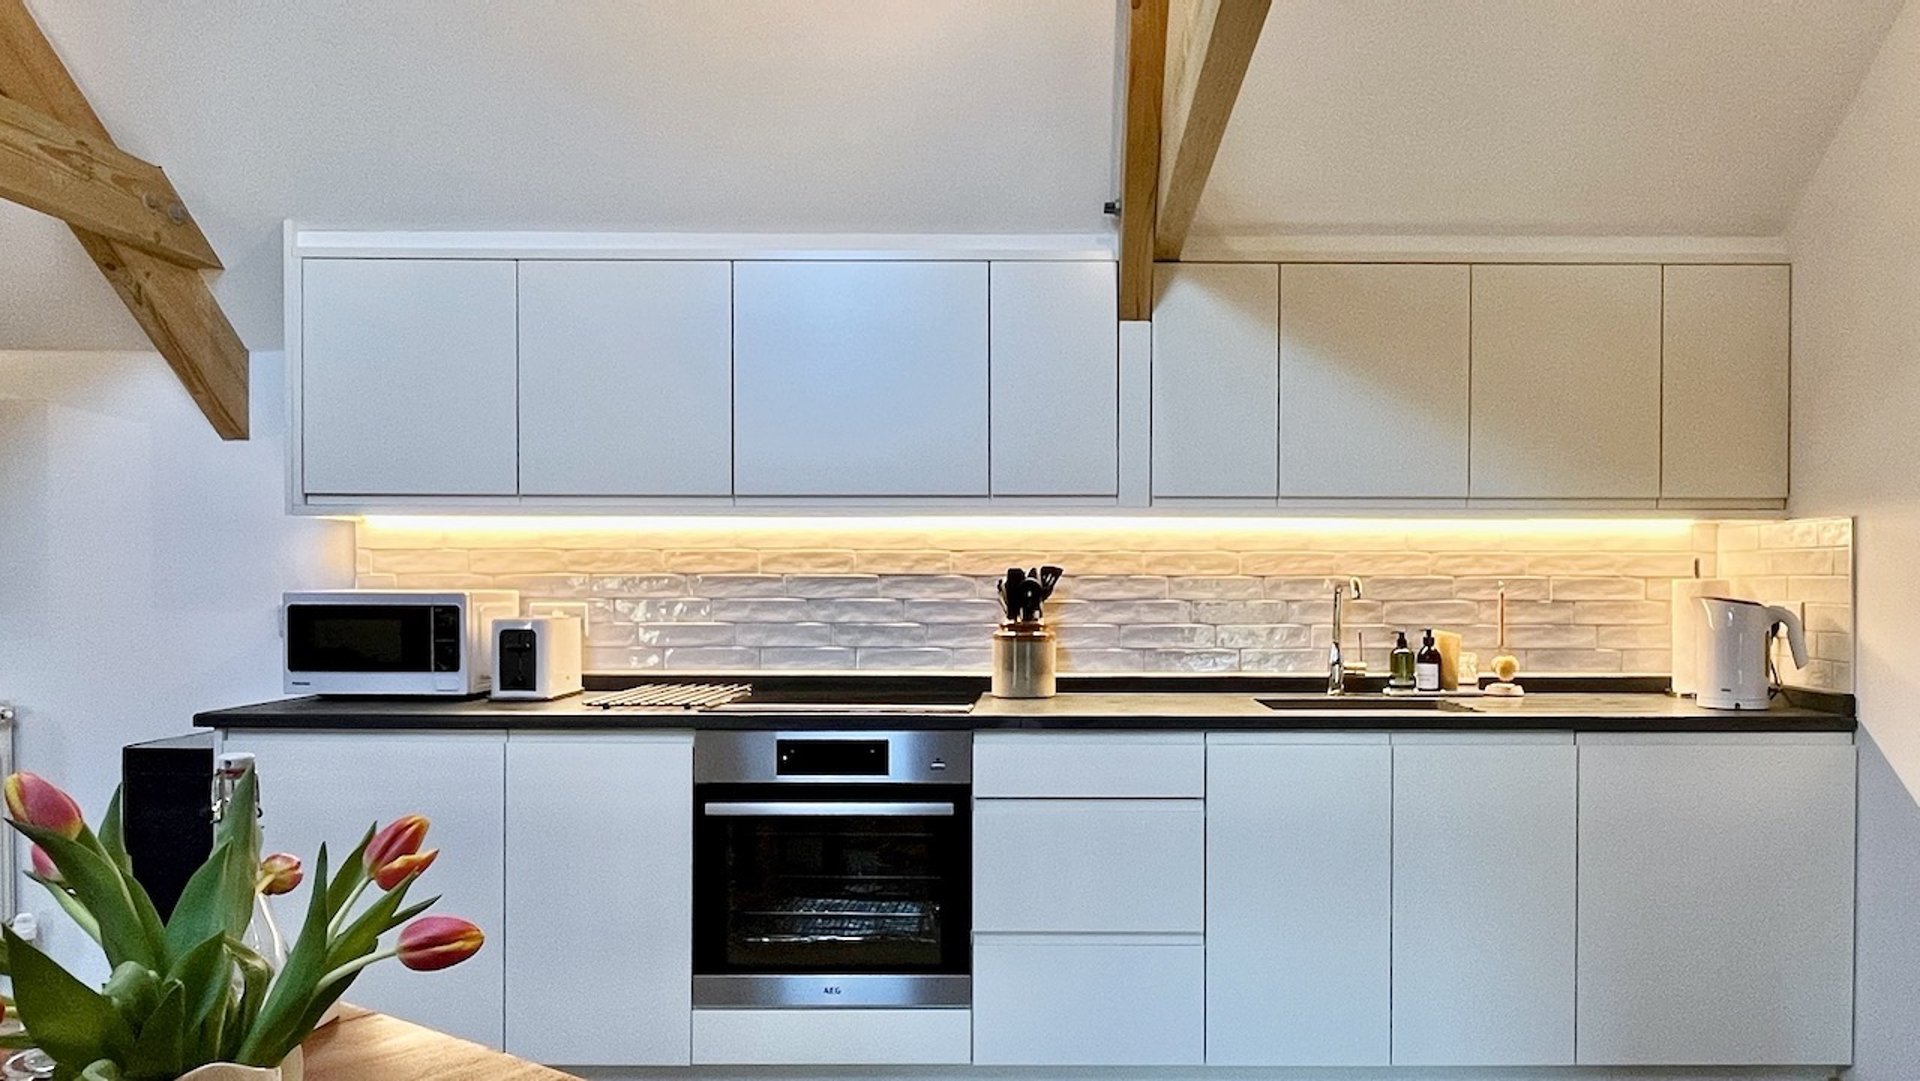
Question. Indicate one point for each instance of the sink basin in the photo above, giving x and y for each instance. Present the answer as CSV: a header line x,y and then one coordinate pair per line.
x,y
1328,703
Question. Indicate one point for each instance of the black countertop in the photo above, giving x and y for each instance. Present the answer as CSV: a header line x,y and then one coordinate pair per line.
x,y
1582,704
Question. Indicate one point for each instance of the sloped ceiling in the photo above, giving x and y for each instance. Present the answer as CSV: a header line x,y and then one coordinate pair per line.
x,y
669,115
1533,117
1537,117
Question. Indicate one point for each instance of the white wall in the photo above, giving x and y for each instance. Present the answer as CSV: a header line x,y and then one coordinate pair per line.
x,y
141,561
1856,395
1856,374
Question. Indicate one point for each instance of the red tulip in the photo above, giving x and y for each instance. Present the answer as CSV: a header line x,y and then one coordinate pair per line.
x,y
397,871
281,873
402,837
43,865
33,801
432,943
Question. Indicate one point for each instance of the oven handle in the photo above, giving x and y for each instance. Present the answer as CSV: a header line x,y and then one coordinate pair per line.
x,y
804,809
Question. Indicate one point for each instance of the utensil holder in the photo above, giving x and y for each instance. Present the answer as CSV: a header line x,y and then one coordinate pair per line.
x,y
1023,660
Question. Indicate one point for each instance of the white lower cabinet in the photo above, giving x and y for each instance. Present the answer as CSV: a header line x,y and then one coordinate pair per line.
x,y
831,1037
1072,865
1483,899
328,787
1716,899
1299,895
600,897
1089,1000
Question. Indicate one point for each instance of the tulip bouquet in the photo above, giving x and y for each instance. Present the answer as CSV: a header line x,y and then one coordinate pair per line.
x,y
189,991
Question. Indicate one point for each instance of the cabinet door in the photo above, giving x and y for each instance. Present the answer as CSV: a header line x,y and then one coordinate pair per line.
x,y
1089,1000
1298,900
1716,900
1089,865
328,787
1216,380
1373,380
1483,901
626,378
860,379
1725,383
407,377
1056,379
1566,382
599,896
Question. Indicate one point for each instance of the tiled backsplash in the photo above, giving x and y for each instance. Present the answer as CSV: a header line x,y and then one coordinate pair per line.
x,y
1141,596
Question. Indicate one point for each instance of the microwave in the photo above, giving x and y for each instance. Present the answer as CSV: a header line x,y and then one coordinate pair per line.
x,y
392,642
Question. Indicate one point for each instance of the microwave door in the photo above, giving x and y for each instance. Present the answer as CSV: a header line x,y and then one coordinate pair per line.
x,y
359,638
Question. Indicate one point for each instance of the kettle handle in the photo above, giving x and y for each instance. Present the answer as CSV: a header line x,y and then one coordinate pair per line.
x,y
1778,617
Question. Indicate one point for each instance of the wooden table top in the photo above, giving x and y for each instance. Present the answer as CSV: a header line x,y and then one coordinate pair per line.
x,y
367,1046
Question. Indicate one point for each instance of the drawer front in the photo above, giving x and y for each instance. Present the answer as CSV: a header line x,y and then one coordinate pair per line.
x,y
831,1037
1090,865
1095,765
1089,1001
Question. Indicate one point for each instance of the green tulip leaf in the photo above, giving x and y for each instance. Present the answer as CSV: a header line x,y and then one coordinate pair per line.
x,y
112,838
99,887
207,974
255,975
351,874
113,835
362,936
69,1020
134,990
161,1047
274,1029
217,901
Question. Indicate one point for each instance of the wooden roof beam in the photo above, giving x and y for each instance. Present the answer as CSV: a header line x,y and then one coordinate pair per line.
x,y
171,301
96,186
1140,159
1211,49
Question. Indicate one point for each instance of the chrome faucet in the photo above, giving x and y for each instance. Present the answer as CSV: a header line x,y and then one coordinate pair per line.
x,y
1337,666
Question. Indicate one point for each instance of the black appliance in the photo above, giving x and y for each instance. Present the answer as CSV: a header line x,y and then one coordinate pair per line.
x,y
167,812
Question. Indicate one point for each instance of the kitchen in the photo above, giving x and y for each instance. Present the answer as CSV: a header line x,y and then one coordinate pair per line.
x,y
759,437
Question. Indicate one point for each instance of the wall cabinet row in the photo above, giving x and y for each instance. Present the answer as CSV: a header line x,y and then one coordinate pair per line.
x,y
706,379
1489,382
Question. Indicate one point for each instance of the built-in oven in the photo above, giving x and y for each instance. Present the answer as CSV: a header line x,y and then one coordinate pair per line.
x,y
832,869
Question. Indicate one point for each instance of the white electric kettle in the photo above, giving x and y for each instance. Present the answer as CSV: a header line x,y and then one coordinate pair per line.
x,y
1734,651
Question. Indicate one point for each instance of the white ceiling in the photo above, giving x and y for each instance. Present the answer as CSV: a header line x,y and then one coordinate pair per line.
x,y
1537,117
1528,117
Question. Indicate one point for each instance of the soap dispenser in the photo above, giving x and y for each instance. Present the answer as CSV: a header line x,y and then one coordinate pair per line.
x,y
1400,665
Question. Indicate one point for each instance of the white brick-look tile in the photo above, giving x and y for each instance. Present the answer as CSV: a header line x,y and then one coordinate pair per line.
x,y
1247,596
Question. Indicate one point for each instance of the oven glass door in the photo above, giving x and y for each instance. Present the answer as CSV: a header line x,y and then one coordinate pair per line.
x,y
841,879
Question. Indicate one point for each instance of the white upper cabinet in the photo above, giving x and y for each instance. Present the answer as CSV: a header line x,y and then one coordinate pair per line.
x,y
1299,899
1725,416
407,377
1483,899
860,379
1566,382
1216,372
626,378
1716,899
1056,379
1373,380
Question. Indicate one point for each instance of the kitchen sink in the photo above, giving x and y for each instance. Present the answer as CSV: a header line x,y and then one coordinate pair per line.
x,y
1327,703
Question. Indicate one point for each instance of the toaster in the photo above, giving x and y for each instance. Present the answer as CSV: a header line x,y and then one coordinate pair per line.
x,y
536,659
